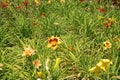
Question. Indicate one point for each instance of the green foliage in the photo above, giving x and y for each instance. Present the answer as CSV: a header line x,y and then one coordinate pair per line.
x,y
81,33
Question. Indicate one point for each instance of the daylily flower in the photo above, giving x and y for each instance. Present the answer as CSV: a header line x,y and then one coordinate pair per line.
x,y
36,63
57,62
103,65
1,65
107,44
102,10
53,42
99,17
28,51
37,2
95,70
39,74
62,1
109,22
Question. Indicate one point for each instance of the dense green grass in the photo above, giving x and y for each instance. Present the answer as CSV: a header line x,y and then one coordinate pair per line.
x,y
80,31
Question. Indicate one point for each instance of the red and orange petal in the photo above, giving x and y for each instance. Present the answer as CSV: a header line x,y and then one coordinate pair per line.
x,y
54,40
102,10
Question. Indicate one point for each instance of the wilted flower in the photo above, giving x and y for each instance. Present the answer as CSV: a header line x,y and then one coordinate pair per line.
x,y
102,10
43,15
107,44
62,1
36,63
4,5
46,65
25,3
28,51
35,24
71,48
88,9
53,42
57,62
1,65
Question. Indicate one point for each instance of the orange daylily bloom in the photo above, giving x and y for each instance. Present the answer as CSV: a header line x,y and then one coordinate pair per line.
x,y
109,22
53,42
36,63
107,44
28,51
